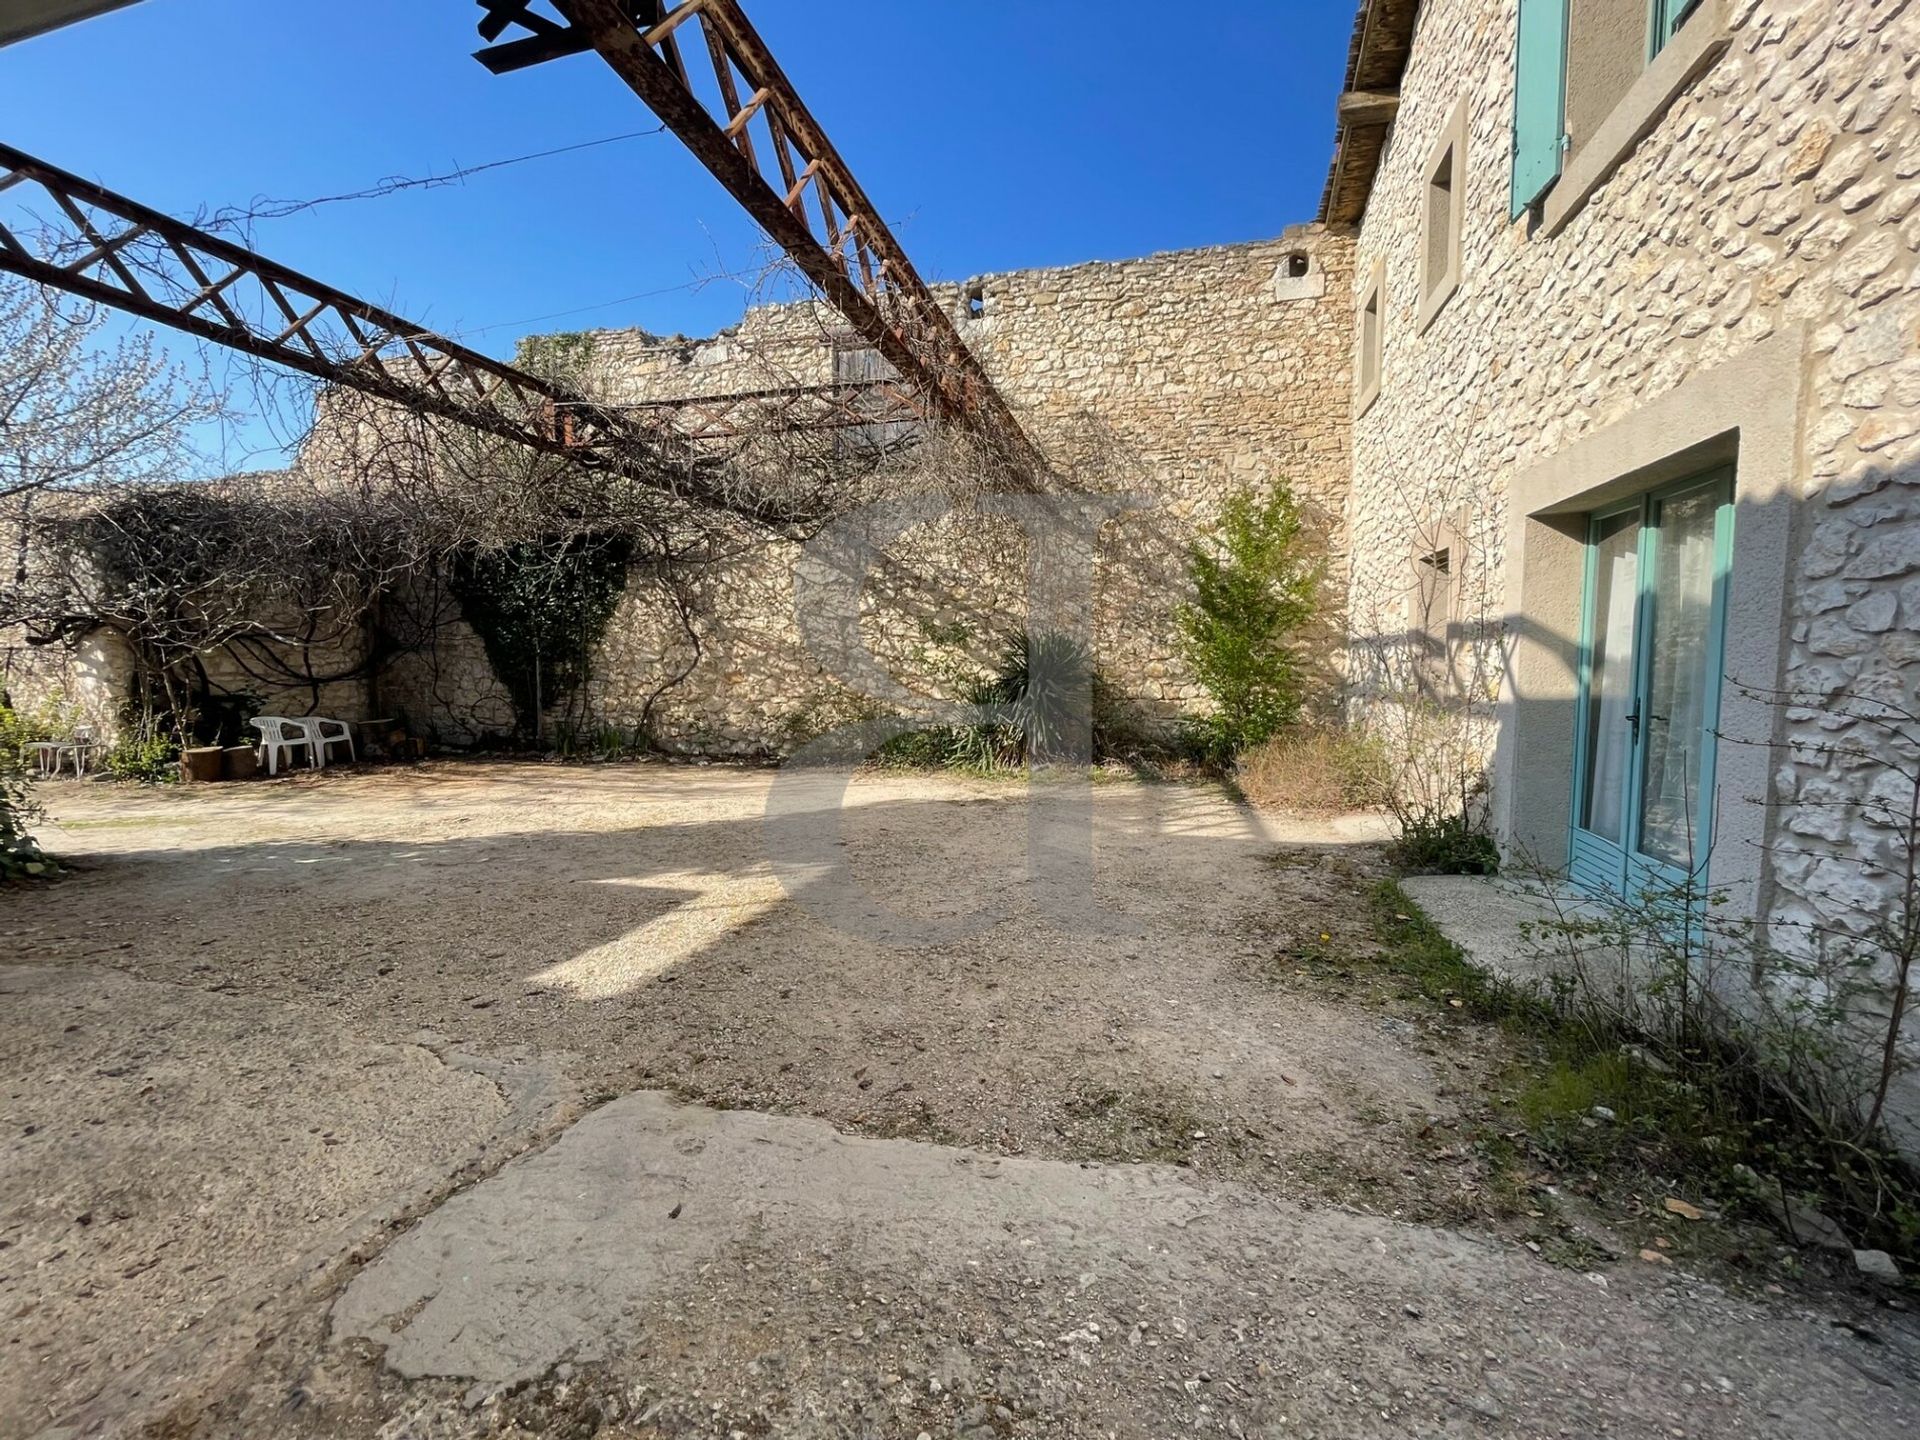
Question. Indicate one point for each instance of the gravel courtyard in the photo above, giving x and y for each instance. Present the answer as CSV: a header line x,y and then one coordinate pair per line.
x,y
473,1100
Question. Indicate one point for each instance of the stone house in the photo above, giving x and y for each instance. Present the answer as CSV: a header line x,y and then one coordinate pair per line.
x,y
1636,423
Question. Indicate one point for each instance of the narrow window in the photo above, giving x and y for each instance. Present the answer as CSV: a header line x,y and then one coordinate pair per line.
x,y
976,303
1298,265
1444,217
1369,331
1440,219
1438,558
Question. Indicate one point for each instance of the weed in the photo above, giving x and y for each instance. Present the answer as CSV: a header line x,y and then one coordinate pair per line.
x,y
1444,842
1597,1095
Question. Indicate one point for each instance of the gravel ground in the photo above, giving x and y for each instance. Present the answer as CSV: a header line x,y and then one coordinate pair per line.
x,y
1174,1172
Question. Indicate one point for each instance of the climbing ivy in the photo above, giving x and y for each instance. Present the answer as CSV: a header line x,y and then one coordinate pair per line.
x,y
541,611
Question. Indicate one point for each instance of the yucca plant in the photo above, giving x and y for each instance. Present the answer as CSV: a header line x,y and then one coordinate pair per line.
x,y
1048,683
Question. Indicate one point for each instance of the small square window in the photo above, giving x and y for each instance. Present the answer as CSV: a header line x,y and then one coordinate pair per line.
x,y
1369,334
1443,218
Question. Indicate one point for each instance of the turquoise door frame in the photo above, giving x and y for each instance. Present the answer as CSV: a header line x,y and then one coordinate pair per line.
x,y
1596,861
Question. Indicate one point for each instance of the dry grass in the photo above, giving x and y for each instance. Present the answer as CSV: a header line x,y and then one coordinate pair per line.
x,y
1320,770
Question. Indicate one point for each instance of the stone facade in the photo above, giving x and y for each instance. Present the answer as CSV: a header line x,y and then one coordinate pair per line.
x,y
1173,379
1748,277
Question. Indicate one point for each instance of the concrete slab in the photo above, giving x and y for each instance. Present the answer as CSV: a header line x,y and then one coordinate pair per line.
x,y
785,1278
1489,919
550,1258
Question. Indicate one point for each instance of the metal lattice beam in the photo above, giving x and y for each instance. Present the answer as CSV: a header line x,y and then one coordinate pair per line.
x,y
749,118
111,250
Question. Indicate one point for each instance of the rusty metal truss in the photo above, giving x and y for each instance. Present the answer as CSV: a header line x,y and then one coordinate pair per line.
x,y
743,119
106,248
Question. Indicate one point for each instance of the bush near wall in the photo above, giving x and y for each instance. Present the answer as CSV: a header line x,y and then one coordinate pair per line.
x,y
1322,769
1255,589
20,854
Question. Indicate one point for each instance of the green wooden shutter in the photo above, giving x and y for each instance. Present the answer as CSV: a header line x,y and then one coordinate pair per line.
x,y
1539,99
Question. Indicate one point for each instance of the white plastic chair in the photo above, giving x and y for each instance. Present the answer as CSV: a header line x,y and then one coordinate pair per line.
x,y
324,732
280,737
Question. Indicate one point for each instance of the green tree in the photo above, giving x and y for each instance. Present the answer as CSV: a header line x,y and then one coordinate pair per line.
x,y
1254,587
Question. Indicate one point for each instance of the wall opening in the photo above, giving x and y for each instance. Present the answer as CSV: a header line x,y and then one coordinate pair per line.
x,y
1439,219
1443,217
1369,331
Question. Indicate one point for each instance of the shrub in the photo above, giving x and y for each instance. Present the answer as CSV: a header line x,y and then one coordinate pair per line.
x,y
146,752
1436,785
21,728
1318,769
1738,1102
1749,1054
1036,685
20,853
1254,588
1439,842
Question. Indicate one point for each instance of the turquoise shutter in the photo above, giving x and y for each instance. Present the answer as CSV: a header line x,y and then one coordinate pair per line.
x,y
1539,99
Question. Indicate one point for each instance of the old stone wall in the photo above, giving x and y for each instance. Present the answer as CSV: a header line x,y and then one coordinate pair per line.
x,y
91,681
1777,198
292,666
1171,380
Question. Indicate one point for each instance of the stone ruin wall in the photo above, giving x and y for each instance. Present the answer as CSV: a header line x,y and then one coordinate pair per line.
x,y
1177,377
93,681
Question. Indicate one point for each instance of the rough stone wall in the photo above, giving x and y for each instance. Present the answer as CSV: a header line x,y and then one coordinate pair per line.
x,y
86,685
91,680
1781,189
1177,377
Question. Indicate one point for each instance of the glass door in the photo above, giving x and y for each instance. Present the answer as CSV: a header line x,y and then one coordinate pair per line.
x,y
1607,725
1650,663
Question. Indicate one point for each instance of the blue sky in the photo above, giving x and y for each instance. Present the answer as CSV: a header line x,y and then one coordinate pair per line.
x,y
992,137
